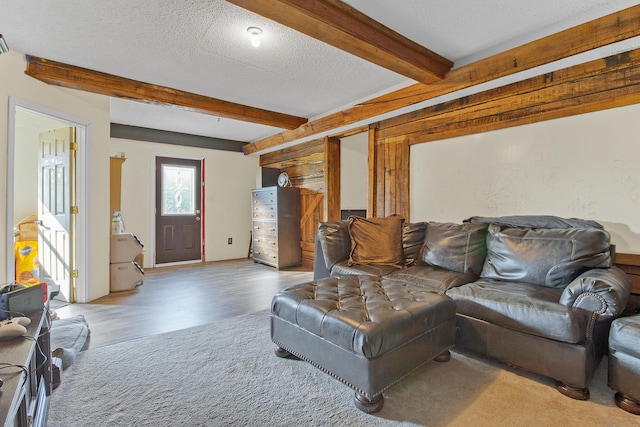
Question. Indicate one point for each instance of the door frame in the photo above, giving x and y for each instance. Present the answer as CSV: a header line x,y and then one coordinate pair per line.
x,y
83,198
152,231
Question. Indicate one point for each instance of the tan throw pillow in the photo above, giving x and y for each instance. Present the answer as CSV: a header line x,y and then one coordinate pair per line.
x,y
376,241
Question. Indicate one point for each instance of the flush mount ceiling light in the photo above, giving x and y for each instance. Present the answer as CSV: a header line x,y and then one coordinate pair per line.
x,y
3,45
255,33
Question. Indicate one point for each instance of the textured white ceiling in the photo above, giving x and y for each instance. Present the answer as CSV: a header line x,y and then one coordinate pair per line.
x,y
202,46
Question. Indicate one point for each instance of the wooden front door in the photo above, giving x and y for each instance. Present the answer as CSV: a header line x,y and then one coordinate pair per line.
x,y
178,210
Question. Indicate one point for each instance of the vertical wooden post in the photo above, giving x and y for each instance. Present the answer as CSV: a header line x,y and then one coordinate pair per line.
x,y
388,176
331,179
404,165
372,183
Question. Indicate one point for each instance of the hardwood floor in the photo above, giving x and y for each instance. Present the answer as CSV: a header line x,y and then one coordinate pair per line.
x,y
173,298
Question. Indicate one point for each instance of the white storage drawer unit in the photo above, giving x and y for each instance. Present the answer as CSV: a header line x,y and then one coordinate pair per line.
x,y
125,274
124,247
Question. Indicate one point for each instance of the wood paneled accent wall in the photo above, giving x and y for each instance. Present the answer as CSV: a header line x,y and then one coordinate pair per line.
x,y
307,165
593,86
630,264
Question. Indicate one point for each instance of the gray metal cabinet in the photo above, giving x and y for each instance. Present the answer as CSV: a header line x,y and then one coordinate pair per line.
x,y
276,226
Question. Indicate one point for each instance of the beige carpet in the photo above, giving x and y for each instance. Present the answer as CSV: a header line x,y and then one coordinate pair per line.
x,y
225,374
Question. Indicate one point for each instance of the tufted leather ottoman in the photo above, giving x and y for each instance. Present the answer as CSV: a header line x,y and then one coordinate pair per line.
x,y
366,331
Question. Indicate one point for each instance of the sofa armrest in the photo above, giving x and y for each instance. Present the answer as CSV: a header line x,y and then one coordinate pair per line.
x,y
602,291
320,270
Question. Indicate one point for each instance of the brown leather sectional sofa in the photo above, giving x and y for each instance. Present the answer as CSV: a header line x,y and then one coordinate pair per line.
x,y
537,292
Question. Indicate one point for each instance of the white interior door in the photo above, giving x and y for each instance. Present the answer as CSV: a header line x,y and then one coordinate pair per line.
x,y
55,200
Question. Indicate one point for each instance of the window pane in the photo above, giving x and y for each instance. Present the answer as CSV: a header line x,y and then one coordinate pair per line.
x,y
178,186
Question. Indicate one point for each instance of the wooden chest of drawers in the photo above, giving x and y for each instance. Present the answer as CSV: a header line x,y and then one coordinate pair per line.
x,y
276,226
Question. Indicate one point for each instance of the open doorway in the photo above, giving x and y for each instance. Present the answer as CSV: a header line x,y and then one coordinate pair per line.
x,y
41,188
354,171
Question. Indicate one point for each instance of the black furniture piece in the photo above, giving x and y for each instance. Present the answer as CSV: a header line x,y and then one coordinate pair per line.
x,y
26,374
624,362
365,331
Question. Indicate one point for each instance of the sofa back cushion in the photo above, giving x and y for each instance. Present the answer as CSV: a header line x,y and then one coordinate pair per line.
x,y
335,241
376,240
412,240
547,256
455,247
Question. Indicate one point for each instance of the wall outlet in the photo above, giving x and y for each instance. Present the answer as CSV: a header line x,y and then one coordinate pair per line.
x,y
230,241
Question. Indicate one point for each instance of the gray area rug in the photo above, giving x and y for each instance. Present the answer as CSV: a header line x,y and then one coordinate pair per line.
x,y
68,337
225,374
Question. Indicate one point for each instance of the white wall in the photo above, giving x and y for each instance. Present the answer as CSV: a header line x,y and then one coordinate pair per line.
x,y
354,171
229,179
585,166
26,169
87,108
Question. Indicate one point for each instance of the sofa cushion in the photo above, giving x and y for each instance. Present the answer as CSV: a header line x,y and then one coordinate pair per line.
x,y
523,307
456,247
433,279
376,240
412,240
342,268
535,221
548,257
335,241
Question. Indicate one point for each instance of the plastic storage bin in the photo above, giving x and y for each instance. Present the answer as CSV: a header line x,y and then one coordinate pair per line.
x,y
125,276
124,247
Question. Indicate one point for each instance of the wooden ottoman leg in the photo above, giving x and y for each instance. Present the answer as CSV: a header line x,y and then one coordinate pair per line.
x,y
368,405
573,392
445,356
281,352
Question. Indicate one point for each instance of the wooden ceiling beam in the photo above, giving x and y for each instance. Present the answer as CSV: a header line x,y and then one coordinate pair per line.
x,y
600,32
592,86
70,76
341,26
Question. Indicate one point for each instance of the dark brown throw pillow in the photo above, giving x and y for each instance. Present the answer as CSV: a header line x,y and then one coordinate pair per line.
x,y
376,241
